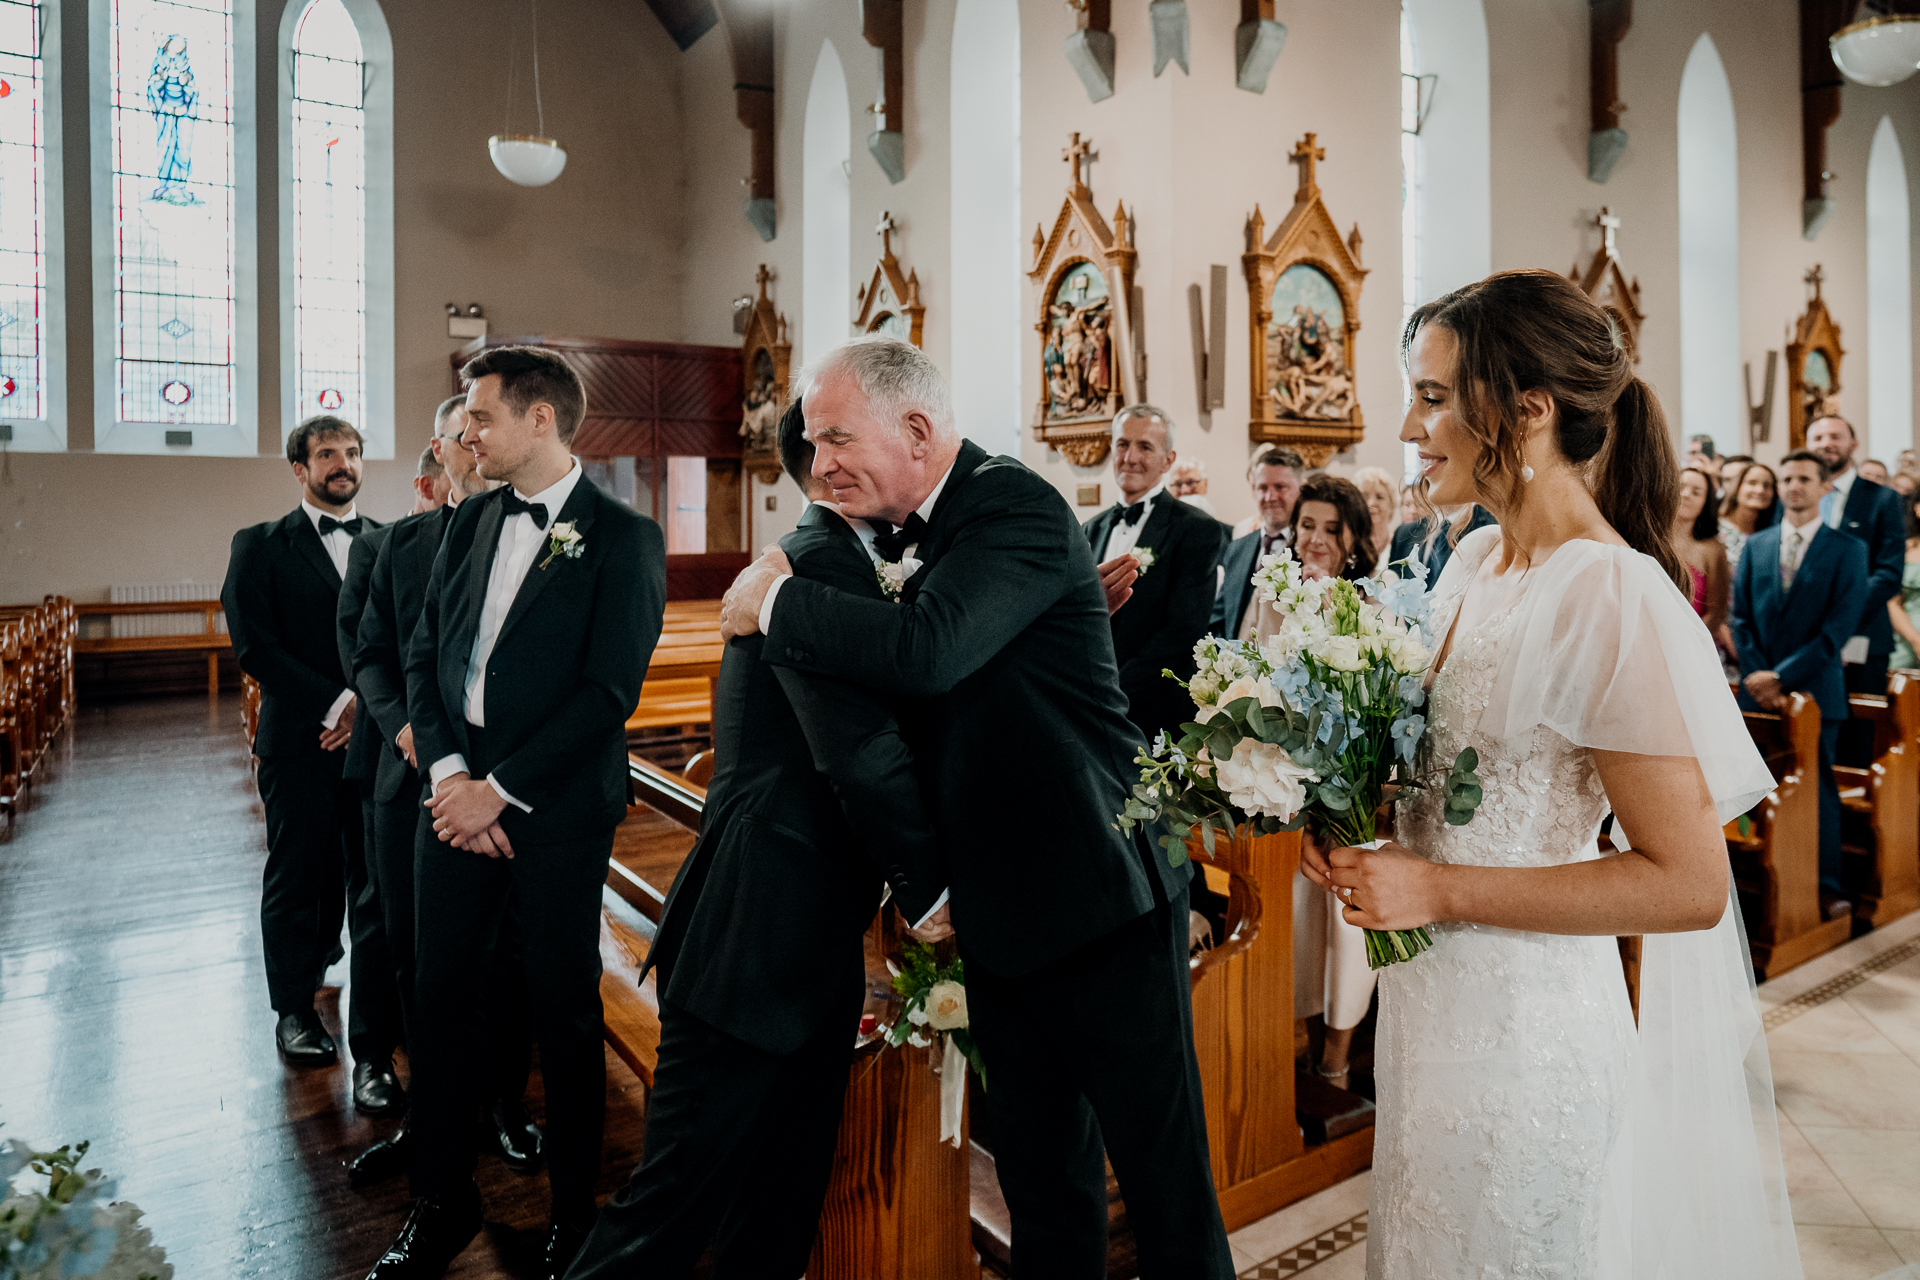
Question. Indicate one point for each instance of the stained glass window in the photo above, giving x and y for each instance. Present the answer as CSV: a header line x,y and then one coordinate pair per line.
x,y
23,212
171,114
329,215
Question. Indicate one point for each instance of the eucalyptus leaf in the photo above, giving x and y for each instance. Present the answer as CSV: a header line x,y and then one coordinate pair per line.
x,y
1467,761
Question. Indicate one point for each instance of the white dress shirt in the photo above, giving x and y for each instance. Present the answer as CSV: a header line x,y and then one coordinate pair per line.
x,y
1126,537
521,543
338,543
1795,539
1834,504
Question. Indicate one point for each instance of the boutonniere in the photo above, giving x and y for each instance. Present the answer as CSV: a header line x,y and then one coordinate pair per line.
x,y
1146,558
564,540
893,575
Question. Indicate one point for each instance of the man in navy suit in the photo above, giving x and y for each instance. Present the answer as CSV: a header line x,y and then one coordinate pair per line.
x,y
1275,475
1797,595
1872,513
1414,534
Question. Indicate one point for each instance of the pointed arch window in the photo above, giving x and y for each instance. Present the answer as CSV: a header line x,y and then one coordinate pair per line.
x,y
31,413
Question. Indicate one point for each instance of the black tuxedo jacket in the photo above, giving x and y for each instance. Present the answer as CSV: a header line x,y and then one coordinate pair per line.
x,y
280,597
1020,734
395,596
563,677
364,747
814,802
1874,515
1796,632
1172,601
1414,533
1237,563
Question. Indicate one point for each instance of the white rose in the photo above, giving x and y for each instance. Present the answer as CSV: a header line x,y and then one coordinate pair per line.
x,y
947,1006
1250,686
1342,653
1262,780
1407,654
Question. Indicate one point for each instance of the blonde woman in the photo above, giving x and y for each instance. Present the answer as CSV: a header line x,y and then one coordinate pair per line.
x,y
1383,504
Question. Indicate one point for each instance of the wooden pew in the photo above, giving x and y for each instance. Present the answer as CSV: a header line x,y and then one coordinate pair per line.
x,y
207,640
682,673
1776,860
1881,867
36,688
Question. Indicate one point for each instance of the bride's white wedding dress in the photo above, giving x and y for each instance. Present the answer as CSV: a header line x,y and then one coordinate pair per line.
x,y
1527,1128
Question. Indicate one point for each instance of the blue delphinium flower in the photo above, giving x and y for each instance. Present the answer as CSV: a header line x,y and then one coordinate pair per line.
x,y
1406,735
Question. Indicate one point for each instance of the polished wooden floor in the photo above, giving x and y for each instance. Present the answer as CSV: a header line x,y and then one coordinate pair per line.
x,y
133,1013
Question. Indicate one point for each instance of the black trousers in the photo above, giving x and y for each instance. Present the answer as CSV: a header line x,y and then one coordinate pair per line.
x,y
314,833
1856,736
374,1022
549,892
1118,1076
738,1155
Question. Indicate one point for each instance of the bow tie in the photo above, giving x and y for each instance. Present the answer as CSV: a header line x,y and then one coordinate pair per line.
x,y
1130,515
328,524
894,544
513,504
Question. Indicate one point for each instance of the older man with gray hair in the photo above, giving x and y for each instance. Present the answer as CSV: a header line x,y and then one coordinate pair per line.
x,y
1158,557
1000,642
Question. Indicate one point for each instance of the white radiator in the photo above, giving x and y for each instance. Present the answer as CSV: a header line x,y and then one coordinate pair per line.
x,y
164,624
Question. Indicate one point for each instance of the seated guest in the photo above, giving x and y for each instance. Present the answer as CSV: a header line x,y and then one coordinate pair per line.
x,y
1905,612
1383,504
1331,977
1696,540
1173,547
1188,482
1437,549
1797,595
1751,503
1275,475
1875,470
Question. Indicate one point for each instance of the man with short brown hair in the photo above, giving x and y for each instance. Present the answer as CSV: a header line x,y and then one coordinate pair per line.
x,y
1275,474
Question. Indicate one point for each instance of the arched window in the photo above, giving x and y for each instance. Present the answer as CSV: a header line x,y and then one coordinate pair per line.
x,y
826,216
174,320
1889,425
336,218
1711,393
985,276
32,328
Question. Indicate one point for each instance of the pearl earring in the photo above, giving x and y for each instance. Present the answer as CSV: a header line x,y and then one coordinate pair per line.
x,y
1526,473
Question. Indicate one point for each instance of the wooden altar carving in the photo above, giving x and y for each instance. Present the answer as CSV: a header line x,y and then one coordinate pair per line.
x,y
1607,284
889,301
1084,315
764,360
1813,366
1303,287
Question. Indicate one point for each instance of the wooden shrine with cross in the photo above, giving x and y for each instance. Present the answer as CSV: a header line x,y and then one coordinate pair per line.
x,y
1813,365
1303,288
765,357
890,301
1606,282
1085,316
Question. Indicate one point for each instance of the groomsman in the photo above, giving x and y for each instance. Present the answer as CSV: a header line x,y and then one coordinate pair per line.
x,y
1275,475
1001,636
1797,594
814,807
395,598
1413,534
281,595
543,608
1167,550
1872,513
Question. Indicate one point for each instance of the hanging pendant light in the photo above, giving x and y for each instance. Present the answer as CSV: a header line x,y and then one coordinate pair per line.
x,y
528,159
1878,47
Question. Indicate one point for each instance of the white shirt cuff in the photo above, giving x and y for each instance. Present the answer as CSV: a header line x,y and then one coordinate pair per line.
x,y
502,792
445,767
1854,650
766,605
340,704
941,902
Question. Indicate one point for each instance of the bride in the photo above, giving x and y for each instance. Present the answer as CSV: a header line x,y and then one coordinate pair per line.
x,y
1527,1128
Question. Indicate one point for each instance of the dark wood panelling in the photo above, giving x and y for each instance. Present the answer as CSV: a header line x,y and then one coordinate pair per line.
x,y
614,438
704,577
684,438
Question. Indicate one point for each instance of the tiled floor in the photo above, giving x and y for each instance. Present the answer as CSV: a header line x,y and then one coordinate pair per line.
x,y
1844,1035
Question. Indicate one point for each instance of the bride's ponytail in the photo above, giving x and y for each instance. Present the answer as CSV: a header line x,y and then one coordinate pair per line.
x,y
1636,481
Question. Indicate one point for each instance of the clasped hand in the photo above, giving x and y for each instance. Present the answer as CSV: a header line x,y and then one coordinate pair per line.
x,y
740,607
466,814
1381,889
1117,578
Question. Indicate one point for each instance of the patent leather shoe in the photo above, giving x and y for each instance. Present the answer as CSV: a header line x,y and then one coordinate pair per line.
x,y
385,1159
512,1136
563,1246
436,1231
376,1090
304,1041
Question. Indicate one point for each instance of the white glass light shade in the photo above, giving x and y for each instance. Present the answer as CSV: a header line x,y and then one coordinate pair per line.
x,y
527,160
1878,51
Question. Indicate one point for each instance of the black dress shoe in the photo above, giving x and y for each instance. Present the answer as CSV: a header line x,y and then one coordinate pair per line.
x,y
304,1041
563,1246
385,1159
512,1136
436,1231
376,1090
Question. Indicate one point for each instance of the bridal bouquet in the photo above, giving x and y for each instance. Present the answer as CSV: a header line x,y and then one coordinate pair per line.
x,y
1315,725
70,1229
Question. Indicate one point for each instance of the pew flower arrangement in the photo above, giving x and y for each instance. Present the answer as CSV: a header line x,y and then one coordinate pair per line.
x,y
71,1228
936,1010
1313,726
